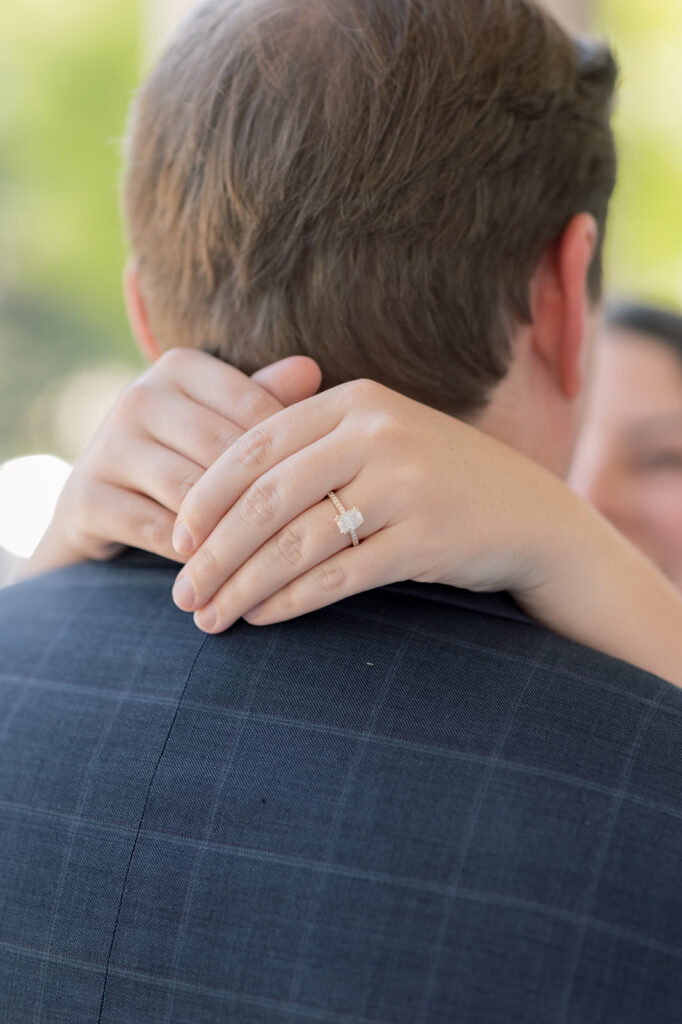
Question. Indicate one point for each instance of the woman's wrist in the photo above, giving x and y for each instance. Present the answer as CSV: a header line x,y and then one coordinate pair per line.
x,y
526,524
599,590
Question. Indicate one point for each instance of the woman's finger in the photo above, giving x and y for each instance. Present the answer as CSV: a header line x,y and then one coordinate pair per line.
x,y
290,380
198,405
176,421
216,385
245,400
304,543
274,500
124,517
248,459
228,392
352,571
155,470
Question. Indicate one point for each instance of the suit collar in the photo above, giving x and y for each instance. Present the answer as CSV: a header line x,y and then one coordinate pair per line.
x,y
499,604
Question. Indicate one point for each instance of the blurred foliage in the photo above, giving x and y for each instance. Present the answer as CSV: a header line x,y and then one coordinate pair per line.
x,y
645,245
68,69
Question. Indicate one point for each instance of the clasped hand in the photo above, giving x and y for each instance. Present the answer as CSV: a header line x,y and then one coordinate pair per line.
x,y
230,474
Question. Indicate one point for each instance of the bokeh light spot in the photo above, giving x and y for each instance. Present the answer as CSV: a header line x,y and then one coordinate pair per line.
x,y
29,488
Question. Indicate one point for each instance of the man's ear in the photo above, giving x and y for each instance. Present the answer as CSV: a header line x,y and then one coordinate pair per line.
x,y
137,313
560,304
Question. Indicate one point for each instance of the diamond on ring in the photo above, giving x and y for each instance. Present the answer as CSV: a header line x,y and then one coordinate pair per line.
x,y
348,520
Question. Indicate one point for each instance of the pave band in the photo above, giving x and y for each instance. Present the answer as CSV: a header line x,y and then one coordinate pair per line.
x,y
348,520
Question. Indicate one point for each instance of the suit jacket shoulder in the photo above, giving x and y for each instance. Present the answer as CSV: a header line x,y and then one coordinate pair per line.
x,y
414,806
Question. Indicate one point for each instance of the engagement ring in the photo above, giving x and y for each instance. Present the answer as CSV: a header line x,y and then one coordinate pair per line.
x,y
348,520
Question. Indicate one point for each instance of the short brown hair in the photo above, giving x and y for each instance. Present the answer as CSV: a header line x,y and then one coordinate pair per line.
x,y
368,182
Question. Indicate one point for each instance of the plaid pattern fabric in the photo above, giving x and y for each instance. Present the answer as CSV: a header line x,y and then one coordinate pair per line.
x,y
415,806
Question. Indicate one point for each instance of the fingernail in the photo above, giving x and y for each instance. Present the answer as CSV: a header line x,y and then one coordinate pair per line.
x,y
184,594
255,612
183,542
207,618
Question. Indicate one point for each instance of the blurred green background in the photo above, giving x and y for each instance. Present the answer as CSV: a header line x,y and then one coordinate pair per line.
x,y
645,245
67,72
68,69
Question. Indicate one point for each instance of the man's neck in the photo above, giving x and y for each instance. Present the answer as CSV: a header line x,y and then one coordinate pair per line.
x,y
527,413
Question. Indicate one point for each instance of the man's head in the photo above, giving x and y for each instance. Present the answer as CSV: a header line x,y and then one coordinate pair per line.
x,y
393,187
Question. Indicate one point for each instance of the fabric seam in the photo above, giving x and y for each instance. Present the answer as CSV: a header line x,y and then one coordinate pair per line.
x,y
139,827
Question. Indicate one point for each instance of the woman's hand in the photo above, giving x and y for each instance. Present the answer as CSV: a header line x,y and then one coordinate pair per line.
x,y
161,435
442,503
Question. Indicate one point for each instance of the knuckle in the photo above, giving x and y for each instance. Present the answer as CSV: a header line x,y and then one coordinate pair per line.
x,y
256,405
364,391
221,441
330,576
153,533
183,486
366,386
211,439
253,449
134,398
259,504
289,548
173,362
383,428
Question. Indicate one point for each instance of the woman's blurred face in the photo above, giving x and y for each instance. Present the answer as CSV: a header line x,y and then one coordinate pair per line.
x,y
628,460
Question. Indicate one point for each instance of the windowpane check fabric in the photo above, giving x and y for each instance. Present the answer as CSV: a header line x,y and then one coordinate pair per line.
x,y
415,806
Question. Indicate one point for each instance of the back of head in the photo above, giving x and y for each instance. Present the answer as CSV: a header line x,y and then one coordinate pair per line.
x,y
368,182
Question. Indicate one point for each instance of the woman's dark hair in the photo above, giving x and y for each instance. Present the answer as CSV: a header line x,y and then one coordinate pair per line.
x,y
663,325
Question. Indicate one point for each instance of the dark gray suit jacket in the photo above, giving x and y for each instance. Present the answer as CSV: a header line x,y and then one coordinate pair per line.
x,y
415,806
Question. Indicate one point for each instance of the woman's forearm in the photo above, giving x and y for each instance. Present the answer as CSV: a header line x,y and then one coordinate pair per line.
x,y
601,591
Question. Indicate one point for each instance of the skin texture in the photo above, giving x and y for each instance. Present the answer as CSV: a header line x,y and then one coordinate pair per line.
x,y
160,437
238,473
628,462
535,410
